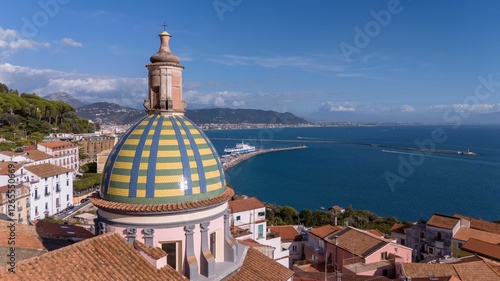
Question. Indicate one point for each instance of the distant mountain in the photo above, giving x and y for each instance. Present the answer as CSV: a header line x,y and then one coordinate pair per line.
x,y
65,97
235,116
112,113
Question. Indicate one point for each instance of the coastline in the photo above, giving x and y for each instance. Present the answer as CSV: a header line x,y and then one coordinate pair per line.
x,y
233,160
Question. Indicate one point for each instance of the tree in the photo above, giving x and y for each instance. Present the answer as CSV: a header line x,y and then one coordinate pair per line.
x,y
288,214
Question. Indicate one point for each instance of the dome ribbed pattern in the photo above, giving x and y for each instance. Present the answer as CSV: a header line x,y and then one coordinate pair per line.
x,y
162,160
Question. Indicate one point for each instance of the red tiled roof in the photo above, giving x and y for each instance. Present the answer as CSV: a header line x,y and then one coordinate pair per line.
x,y
376,232
443,221
97,201
47,170
398,228
287,233
36,155
465,233
61,231
258,266
325,230
247,204
26,236
57,144
481,224
4,167
358,242
154,252
482,248
105,257
10,153
468,271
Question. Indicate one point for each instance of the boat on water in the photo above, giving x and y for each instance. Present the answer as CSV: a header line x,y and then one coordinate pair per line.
x,y
468,153
240,148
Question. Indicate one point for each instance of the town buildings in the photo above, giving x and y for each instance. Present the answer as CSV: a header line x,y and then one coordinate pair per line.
x,y
51,189
248,223
64,154
443,237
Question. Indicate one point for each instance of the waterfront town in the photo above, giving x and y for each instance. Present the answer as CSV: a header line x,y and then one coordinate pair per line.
x,y
163,211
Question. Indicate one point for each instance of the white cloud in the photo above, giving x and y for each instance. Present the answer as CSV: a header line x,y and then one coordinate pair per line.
x,y
88,88
11,41
407,108
70,42
471,108
345,106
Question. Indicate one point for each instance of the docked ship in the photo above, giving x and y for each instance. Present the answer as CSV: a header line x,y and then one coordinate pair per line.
x,y
240,148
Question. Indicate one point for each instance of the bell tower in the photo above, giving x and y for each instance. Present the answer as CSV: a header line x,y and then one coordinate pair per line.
x,y
165,81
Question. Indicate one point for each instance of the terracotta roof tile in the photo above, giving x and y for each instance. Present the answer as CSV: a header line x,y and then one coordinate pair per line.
x,y
154,252
358,242
443,221
247,204
465,233
258,266
287,233
325,230
105,257
36,155
47,170
469,271
482,248
144,208
398,228
26,236
57,144
10,153
4,167
481,224
61,231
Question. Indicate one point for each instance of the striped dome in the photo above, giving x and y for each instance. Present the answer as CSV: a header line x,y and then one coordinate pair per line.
x,y
162,160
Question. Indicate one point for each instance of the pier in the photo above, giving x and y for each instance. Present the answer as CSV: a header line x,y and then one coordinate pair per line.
x,y
232,160
416,150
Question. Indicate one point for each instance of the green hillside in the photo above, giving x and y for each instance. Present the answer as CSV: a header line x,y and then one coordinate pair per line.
x,y
26,118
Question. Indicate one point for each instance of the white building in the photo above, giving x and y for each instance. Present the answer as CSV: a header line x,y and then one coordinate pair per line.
x,y
248,220
19,209
51,189
65,154
31,157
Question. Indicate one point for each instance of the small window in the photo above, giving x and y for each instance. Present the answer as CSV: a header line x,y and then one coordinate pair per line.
x,y
431,250
261,214
238,218
173,250
460,245
383,255
403,242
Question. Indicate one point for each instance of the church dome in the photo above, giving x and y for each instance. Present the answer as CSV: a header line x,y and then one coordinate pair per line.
x,y
163,160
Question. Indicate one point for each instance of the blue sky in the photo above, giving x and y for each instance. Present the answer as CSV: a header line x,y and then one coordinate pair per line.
x,y
324,60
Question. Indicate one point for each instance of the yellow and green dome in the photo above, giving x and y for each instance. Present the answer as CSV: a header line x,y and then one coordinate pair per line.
x,y
162,160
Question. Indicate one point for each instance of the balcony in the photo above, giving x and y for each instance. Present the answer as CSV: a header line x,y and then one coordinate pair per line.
x,y
316,250
28,204
20,220
58,190
47,194
37,197
19,208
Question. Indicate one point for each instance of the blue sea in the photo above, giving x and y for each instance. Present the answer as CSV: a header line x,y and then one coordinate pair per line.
x,y
390,182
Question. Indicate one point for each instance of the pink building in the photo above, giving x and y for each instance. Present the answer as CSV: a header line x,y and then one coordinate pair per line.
x,y
353,251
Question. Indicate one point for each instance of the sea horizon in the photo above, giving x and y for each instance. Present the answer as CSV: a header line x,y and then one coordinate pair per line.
x,y
397,183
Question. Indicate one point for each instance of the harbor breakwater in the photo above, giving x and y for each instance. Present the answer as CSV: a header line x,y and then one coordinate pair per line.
x,y
230,161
